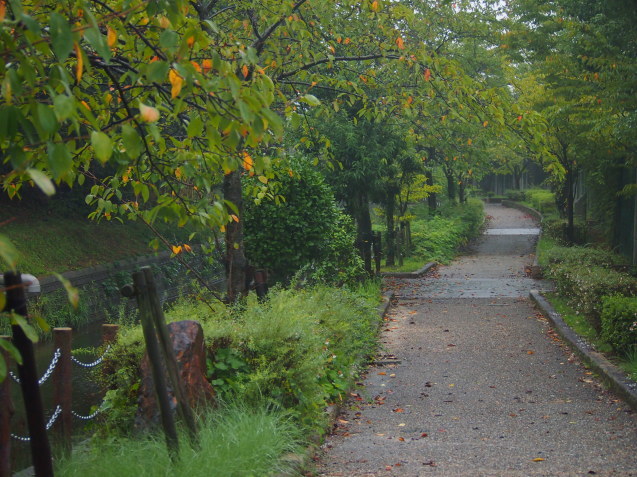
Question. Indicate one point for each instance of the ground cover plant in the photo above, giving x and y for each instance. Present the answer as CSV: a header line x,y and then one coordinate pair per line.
x,y
284,359
236,440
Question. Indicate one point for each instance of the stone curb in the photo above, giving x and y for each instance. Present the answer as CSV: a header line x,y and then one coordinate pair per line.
x,y
300,461
612,375
417,274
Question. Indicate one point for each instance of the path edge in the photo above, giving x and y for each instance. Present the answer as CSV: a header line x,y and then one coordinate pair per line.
x,y
417,274
611,374
298,462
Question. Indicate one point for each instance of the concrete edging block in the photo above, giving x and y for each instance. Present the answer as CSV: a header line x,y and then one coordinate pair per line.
x,y
612,375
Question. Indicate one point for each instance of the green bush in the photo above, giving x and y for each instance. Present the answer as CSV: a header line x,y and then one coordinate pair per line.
x,y
619,322
307,228
585,285
541,200
438,238
298,350
516,195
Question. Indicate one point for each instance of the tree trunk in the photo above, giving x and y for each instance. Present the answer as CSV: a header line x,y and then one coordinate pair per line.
x,y
451,184
391,231
462,197
360,209
236,262
570,202
432,200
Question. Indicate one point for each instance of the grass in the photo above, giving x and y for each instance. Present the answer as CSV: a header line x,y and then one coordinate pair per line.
x,y
236,441
629,363
57,238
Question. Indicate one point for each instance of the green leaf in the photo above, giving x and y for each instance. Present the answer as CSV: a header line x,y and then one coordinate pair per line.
x,y
195,128
21,321
131,141
47,119
157,71
61,36
98,42
60,159
10,348
72,293
310,99
41,322
42,181
102,145
64,106
8,254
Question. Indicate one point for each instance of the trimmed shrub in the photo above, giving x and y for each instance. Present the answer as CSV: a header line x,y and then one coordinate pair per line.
x,y
585,286
619,322
540,199
583,256
307,229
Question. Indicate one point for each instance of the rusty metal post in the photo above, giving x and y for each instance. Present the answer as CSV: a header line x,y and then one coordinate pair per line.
x,y
6,410
63,386
40,448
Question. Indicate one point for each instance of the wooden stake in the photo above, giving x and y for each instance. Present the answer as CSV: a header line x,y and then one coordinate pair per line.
x,y
63,387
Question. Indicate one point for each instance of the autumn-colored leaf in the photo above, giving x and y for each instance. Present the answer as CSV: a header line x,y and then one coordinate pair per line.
x,y
176,249
206,65
375,6
3,10
247,161
398,409
382,373
245,71
400,43
485,124
427,74
176,82
111,37
469,142
538,459
148,114
190,41
196,66
401,439
80,62
519,118
234,217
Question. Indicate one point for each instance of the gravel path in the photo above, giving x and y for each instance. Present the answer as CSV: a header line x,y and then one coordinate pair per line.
x,y
473,381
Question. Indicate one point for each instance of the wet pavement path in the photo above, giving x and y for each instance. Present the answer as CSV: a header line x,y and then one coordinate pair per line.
x,y
472,381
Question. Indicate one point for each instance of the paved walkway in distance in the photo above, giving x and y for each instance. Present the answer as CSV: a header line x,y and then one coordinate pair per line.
x,y
473,381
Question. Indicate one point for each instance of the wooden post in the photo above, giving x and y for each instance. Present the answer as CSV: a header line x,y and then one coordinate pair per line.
x,y
261,283
378,250
156,364
109,333
183,407
40,449
63,387
6,410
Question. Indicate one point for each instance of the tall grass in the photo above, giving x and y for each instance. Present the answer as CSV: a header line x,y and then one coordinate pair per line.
x,y
236,441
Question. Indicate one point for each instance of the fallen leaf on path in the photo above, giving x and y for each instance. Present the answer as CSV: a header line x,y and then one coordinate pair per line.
x,y
382,373
401,439
398,409
538,459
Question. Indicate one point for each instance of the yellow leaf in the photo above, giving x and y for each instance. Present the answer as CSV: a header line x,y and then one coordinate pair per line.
x,y
263,179
148,114
245,71
176,249
469,141
485,124
235,218
190,41
222,228
207,65
427,74
176,82
80,62
111,37
187,248
538,459
247,161
375,6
